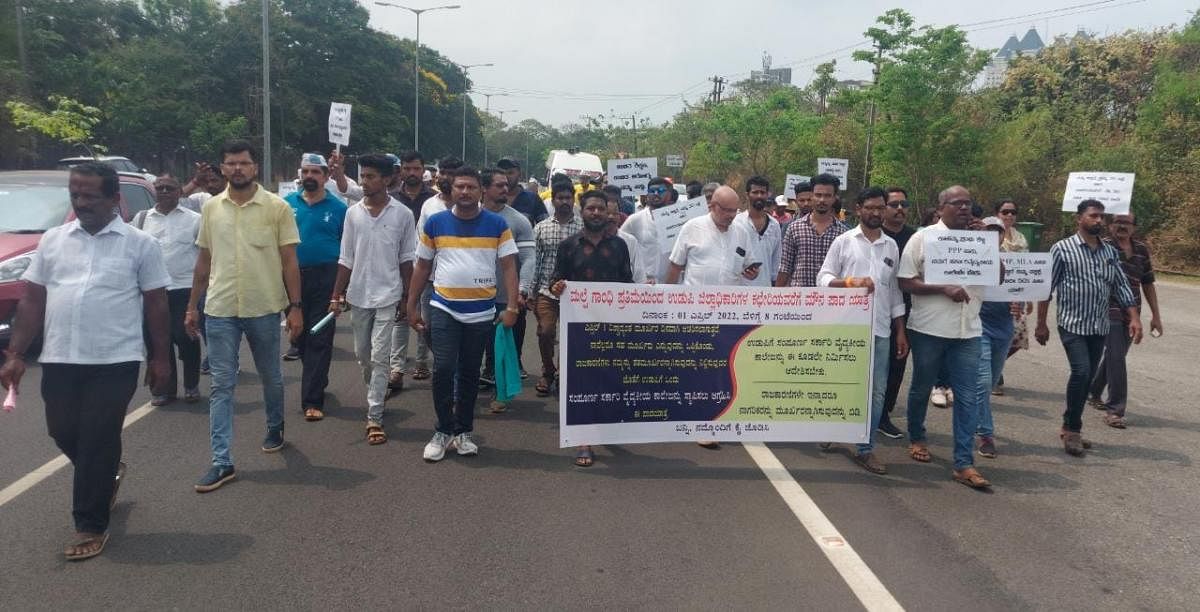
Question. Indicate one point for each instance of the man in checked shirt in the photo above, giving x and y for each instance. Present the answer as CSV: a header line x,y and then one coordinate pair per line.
x,y
547,235
807,239
1086,275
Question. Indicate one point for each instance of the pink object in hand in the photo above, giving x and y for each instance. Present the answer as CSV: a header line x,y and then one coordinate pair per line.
x,y
10,402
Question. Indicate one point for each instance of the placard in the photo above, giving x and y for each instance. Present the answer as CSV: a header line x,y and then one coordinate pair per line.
x,y
674,161
1027,278
286,188
962,257
789,184
632,175
669,219
671,363
339,123
837,167
1113,189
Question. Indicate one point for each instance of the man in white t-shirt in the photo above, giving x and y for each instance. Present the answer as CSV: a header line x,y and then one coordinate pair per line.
x,y
762,227
641,225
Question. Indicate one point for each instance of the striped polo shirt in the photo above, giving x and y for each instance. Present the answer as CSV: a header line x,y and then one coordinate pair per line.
x,y
464,253
1085,280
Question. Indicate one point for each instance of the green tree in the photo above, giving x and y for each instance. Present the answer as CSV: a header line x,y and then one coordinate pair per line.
x,y
67,121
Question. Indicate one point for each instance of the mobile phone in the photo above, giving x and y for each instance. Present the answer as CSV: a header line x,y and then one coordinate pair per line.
x,y
754,265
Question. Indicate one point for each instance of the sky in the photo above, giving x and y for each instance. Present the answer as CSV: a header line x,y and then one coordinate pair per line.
x,y
559,60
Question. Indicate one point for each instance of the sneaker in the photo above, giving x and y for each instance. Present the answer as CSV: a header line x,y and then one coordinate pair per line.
x,y
1072,443
949,396
997,390
465,445
273,442
890,430
436,449
938,397
161,400
216,476
987,447
292,354
487,379
396,381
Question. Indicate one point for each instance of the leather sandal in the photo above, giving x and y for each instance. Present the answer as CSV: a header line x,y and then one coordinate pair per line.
x,y
972,478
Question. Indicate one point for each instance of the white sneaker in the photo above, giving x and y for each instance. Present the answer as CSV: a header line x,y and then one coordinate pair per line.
x,y
949,396
436,449
465,445
938,397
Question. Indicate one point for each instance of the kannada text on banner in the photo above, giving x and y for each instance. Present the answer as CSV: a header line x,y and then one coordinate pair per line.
x,y
671,363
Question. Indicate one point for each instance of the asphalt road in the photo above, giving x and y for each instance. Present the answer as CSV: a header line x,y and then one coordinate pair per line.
x,y
332,523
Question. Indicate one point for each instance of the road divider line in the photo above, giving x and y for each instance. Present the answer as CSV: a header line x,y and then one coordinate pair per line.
x,y
854,571
52,466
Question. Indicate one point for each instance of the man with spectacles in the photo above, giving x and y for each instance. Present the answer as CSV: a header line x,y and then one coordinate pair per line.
x,y
944,330
641,225
896,227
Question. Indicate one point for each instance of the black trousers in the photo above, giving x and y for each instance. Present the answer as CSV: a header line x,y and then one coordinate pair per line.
x,y
895,379
189,349
489,350
85,410
316,350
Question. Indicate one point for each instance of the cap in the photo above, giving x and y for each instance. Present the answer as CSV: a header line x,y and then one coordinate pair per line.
x,y
393,157
781,200
313,159
507,163
993,221
428,176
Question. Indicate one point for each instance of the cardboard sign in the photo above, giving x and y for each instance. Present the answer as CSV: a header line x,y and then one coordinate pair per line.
x,y
789,184
632,175
669,219
674,161
837,167
1113,189
1026,278
339,123
286,188
962,257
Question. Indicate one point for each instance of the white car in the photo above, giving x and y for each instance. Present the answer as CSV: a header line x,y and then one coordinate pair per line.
x,y
120,164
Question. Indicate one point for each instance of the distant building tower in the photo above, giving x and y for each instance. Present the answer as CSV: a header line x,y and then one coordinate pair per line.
x,y
782,76
1030,44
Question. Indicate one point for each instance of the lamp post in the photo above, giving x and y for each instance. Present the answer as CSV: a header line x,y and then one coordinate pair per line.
x,y
485,151
266,97
417,65
465,68
487,109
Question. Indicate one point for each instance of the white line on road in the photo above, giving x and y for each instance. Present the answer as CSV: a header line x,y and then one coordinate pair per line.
x,y
47,470
861,580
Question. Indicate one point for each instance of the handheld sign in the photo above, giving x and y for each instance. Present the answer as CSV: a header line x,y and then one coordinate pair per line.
x,y
632,175
1113,189
1026,279
339,124
962,257
668,220
286,188
837,167
674,161
789,184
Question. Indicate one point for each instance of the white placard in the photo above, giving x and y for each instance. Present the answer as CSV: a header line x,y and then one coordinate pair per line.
x,y
789,184
674,161
669,219
632,175
286,188
1026,278
1113,189
339,123
837,167
962,257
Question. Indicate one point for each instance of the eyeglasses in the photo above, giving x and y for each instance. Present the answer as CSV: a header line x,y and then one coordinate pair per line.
x,y
898,204
1008,211
165,188
657,190
959,203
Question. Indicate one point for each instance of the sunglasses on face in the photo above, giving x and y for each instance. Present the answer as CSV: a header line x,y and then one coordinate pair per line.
x,y
898,204
1008,211
166,188
657,190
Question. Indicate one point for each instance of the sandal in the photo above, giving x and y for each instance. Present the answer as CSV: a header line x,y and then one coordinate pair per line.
x,y
585,458
972,478
543,386
422,374
87,545
313,414
919,452
498,407
375,434
1114,421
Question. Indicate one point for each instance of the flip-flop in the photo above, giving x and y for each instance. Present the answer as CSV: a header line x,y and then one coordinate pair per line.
x,y
584,458
313,414
421,374
919,452
91,538
375,435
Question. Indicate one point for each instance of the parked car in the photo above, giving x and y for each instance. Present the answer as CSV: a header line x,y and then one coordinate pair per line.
x,y
118,163
32,202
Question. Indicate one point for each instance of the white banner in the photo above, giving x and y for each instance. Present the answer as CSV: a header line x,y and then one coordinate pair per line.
x,y
789,185
669,219
1113,189
674,161
1026,278
837,167
339,123
962,257
632,175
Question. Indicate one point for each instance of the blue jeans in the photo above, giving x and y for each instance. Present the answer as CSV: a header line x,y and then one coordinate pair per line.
x,y
960,358
224,340
457,354
879,385
992,353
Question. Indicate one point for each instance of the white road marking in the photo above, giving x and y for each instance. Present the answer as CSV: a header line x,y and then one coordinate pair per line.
x,y
48,469
861,580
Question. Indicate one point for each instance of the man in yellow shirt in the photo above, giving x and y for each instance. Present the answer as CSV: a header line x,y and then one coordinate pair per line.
x,y
248,267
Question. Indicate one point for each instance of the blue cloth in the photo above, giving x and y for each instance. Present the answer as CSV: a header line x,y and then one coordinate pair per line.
x,y
997,320
508,369
320,227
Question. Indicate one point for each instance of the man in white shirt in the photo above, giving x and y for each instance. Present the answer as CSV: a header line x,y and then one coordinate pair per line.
x,y
641,225
763,227
865,257
613,195
95,264
379,243
944,329
340,184
175,228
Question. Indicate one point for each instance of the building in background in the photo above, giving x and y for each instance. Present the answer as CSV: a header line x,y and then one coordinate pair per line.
x,y
1030,44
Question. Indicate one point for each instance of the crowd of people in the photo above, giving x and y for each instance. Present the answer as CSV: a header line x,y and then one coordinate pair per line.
x,y
441,260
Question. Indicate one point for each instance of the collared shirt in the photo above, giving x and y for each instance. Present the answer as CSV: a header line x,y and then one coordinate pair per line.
x,y
1139,270
641,225
176,233
413,204
196,201
769,244
320,226
711,256
464,252
804,250
373,249
546,237
1084,281
246,274
606,261
853,254
902,237
635,255
935,314
94,286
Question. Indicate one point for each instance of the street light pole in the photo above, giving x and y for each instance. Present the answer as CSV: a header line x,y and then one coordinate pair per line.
x,y
417,66
487,109
465,68
266,86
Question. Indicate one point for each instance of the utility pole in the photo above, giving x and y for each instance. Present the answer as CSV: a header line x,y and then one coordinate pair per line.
x,y
633,126
24,59
266,98
718,88
466,78
871,123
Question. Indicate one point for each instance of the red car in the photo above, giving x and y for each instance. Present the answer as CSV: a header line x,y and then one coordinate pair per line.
x,y
32,202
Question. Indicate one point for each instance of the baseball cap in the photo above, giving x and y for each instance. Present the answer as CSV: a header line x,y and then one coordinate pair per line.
x,y
507,163
313,159
990,221
428,176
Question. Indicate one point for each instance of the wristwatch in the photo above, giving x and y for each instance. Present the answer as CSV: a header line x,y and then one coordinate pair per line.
x,y
292,305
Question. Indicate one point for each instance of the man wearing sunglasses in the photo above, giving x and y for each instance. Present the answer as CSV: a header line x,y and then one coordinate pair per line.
x,y
895,225
641,225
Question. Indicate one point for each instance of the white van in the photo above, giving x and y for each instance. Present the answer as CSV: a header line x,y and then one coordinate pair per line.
x,y
573,163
